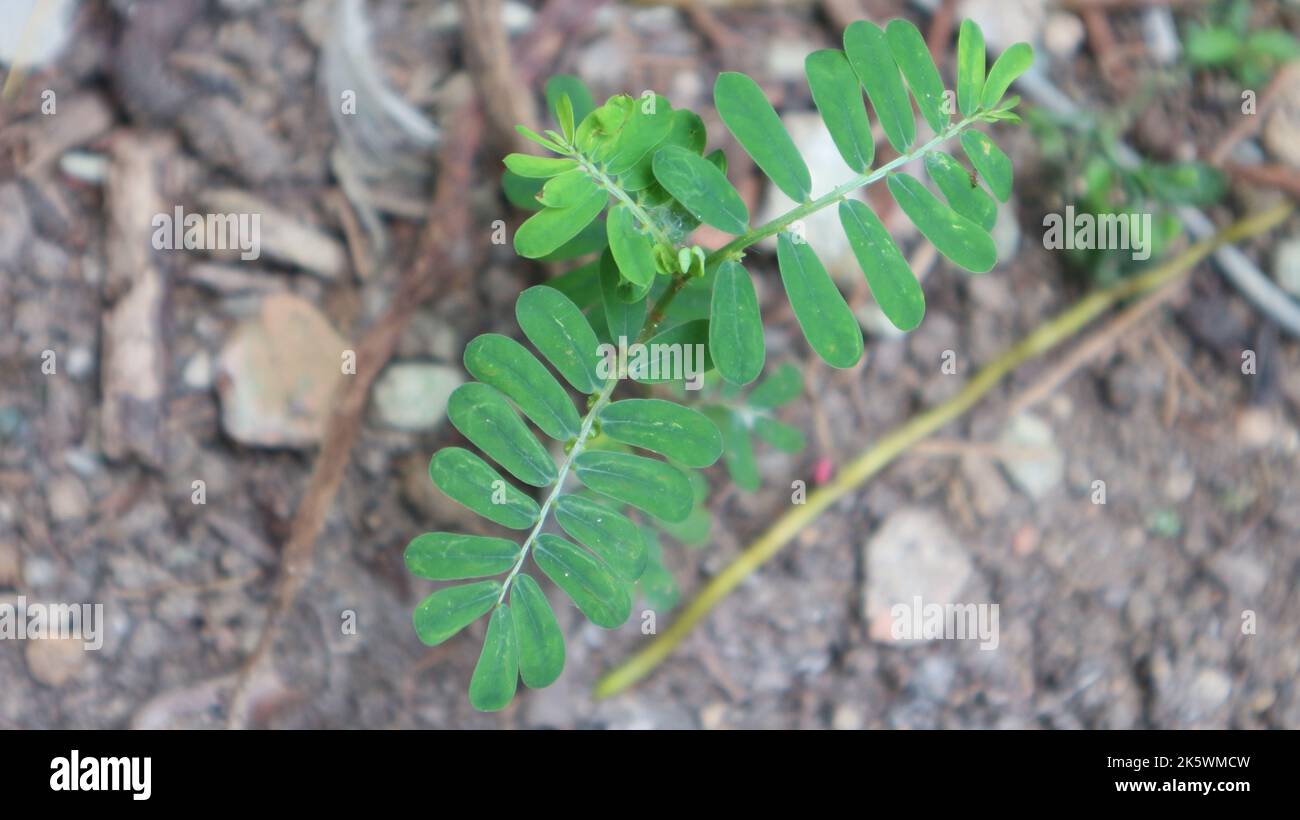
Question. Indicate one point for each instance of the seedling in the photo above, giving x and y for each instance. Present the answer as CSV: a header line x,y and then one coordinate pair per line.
x,y
641,163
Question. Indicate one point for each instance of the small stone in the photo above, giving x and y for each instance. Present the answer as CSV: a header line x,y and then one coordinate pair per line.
x,y
1160,35
80,362
1282,129
1006,21
714,716
67,498
846,718
197,374
277,374
912,554
1210,689
55,661
1063,34
1286,266
1035,475
412,396
1179,484
1242,574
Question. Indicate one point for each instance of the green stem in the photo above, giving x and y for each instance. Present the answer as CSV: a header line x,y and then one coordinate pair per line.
x,y
735,246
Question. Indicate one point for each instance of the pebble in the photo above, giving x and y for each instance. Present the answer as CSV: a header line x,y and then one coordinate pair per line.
x,y
55,661
412,396
1286,265
277,374
913,553
1063,34
1034,475
1282,129
67,498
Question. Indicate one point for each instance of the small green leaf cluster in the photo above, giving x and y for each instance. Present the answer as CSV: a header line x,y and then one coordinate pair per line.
x,y
1251,56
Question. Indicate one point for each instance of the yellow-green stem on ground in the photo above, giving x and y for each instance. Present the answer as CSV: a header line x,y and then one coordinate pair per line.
x,y
1046,336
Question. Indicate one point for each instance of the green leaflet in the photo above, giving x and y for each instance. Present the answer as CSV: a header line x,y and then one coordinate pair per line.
x,y
680,433
701,189
451,609
778,434
551,227
892,283
610,535
782,387
737,449
541,643
677,350
735,326
651,486
449,556
602,598
748,115
521,191
527,165
623,319
472,483
505,364
581,285
657,584
497,672
579,96
546,142
1013,62
587,240
694,529
956,237
561,334
913,57
687,131
633,250
964,195
868,53
826,320
970,67
484,417
650,123
600,130
838,96
993,165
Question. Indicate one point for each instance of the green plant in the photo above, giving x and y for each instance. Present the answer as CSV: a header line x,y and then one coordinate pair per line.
x,y
641,163
1227,42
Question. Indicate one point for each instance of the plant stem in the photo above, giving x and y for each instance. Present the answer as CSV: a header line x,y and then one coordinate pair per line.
x,y
735,246
1046,336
